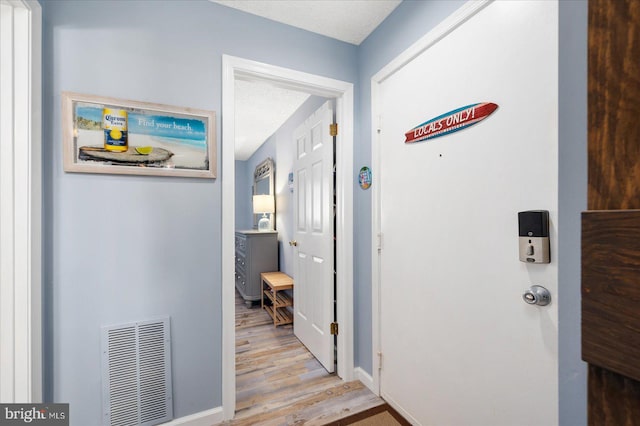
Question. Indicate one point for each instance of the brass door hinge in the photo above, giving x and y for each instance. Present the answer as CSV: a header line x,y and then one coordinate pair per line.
x,y
333,129
334,328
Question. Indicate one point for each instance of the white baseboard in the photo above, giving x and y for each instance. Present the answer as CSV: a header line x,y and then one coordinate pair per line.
x,y
203,418
365,378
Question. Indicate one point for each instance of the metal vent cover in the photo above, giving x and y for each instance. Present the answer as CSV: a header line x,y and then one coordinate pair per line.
x,y
136,374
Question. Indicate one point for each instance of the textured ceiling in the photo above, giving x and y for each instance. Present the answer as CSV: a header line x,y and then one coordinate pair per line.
x,y
347,20
261,108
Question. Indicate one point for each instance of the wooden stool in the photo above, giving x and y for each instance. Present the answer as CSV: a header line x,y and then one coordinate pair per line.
x,y
273,284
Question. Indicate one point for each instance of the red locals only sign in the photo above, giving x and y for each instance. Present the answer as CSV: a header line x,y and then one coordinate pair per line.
x,y
450,122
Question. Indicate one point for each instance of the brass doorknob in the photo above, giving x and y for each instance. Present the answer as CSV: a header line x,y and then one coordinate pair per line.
x,y
293,243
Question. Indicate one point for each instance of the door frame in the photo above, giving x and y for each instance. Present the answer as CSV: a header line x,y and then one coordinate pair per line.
x,y
21,216
457,18
343,92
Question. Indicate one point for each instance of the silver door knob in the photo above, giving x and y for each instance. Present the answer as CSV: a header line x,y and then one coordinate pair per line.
x,y
293,243
537,295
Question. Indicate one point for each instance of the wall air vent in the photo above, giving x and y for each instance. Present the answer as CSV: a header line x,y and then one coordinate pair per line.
x,y
136,374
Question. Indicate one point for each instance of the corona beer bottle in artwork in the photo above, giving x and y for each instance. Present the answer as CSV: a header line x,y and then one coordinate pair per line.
x,y
114,123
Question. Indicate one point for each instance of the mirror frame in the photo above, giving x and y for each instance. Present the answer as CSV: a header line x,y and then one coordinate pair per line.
x,y
264,170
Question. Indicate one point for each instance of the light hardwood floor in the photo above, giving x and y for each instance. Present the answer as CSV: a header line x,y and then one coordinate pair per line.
x,y
278,382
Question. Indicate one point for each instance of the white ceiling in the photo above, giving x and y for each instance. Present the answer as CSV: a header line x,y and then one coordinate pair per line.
x,y
261,108
346,20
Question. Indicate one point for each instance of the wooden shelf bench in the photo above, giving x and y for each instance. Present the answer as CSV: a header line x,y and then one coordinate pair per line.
x,y
274,300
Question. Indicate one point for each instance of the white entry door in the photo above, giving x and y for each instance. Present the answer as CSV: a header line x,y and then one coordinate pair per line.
x,y
459,345
313,291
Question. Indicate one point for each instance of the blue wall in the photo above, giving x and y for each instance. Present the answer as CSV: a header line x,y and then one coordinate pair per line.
x,y
161,253
407,24
244,182
281,148
126,248
572,199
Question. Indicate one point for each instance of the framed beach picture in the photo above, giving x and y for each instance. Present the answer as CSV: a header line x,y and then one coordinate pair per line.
x,y
109,135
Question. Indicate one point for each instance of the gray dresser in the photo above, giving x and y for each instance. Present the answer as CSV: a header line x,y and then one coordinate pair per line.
x,y
256,252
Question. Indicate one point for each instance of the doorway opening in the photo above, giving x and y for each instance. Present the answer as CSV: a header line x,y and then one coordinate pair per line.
x,y
236,68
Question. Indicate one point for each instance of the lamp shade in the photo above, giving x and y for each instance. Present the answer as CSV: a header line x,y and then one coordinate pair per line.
x,y
263,204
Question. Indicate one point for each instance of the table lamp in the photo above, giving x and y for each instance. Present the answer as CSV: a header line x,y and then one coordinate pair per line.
x,y
264,204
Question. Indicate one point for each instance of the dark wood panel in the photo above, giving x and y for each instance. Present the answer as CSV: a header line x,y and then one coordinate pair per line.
x,y
609,293
611,290
614,103
614,400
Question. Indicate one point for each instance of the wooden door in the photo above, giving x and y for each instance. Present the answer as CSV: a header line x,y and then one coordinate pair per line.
x,y
459,345
611,227
313,233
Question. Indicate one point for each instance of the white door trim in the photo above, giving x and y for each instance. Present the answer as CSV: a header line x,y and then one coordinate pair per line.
x,y
21,207
237,68
452,22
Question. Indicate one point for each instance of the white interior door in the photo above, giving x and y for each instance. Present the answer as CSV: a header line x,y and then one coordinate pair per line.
x,y
459,345
313,291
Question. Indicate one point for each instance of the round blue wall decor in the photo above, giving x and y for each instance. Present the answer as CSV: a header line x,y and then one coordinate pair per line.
x,y
364,177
